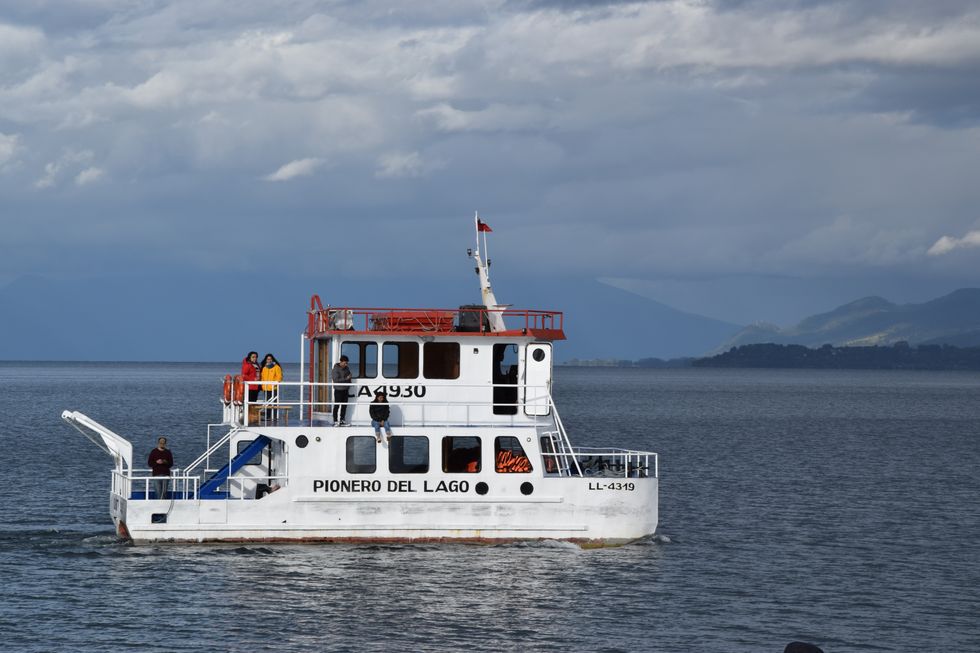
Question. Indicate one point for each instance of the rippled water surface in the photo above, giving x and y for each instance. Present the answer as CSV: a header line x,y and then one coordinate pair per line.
x,y
841,508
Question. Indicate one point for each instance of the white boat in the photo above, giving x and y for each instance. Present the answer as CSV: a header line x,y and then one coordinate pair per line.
x,y
478,452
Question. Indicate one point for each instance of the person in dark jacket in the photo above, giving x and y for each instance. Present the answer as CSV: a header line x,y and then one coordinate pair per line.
x,y
160,461
250,372
341,377
380,414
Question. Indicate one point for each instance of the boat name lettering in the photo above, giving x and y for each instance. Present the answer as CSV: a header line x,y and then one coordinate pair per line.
x,y
393,391
355,485
629,487
364,485
451,486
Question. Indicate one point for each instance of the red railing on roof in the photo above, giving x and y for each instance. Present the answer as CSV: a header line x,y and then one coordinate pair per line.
x,y
546,325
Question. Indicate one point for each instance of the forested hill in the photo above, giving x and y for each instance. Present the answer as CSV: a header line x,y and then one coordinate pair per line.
x,y
898,356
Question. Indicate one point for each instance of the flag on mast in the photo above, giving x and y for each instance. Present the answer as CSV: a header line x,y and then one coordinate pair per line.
x,y
482,226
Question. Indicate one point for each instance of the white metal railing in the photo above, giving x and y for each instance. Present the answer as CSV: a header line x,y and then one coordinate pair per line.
x,y
180,485
423,412
205,458
608,462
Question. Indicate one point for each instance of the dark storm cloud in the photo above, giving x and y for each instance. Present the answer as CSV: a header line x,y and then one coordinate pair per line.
x,y
668,139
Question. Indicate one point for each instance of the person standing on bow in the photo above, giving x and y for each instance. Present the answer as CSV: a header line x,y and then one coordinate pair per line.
x,y
341,377
380,415
160,461
271,376
250,372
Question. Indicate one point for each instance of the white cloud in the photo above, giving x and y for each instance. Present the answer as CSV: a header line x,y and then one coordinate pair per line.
x,y
19,40
293,169
9,145
947,244
89,175
53,170
397,164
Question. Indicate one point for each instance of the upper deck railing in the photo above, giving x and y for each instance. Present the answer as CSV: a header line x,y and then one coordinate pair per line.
x,y
473,321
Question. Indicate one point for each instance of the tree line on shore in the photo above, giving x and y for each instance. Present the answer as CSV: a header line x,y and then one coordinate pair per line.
x,y
899,356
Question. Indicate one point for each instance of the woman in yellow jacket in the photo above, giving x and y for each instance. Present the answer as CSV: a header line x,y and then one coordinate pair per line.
x,y
270,377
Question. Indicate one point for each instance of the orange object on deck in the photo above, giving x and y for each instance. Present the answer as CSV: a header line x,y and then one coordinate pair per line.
x,y
441,321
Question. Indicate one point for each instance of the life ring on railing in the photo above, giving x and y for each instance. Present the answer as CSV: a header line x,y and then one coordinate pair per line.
x,y
238,389
226,390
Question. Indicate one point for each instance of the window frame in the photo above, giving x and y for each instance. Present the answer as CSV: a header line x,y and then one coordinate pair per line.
x,y
399,344
398,444
448,450
350,452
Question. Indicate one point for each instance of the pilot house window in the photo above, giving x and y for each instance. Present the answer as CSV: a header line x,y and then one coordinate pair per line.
x,y
440,360
362,358
400,360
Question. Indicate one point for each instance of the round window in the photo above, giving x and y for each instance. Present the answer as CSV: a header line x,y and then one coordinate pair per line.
x,y
538,354
302,441
526,488
482,488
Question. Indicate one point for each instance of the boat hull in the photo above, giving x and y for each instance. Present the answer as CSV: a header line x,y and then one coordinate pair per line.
x,y
588,511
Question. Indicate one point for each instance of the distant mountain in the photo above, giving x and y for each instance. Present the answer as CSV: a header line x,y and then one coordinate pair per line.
x,y
187,317
604,322
953,319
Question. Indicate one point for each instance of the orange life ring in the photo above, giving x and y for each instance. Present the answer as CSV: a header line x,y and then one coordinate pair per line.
x,y
238,389
226,390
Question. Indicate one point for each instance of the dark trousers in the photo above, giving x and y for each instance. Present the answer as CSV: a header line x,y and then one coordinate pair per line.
x,y
340,397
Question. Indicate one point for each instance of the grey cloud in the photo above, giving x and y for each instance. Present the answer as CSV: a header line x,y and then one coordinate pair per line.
x,y
631,144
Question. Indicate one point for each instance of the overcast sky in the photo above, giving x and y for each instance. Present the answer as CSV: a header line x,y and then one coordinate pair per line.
x,y
741,159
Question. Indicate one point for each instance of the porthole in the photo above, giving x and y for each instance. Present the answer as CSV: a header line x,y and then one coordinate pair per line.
x,y
538,354
526,488
481,488
302,441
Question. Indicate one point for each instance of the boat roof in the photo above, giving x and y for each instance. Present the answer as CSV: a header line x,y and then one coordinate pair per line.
x,y
465,321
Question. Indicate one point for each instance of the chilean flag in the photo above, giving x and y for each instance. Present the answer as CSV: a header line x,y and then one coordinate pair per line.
x,y
482,226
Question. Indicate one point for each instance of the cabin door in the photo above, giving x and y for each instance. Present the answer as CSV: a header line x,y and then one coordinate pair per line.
x,y
537,378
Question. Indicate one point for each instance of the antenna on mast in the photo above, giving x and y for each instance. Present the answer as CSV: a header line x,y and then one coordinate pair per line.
x,y
494,310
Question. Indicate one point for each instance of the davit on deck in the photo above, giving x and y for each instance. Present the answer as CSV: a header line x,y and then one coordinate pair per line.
x,y
477,451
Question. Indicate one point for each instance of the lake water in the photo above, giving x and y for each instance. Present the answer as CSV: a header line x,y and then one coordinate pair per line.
x,y
836,507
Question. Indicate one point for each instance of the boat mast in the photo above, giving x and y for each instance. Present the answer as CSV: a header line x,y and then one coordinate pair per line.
x,y
483,270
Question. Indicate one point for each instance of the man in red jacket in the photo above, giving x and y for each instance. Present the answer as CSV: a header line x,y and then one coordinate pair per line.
x,y
160,461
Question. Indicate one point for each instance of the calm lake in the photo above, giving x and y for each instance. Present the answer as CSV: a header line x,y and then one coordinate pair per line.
x,y
836,507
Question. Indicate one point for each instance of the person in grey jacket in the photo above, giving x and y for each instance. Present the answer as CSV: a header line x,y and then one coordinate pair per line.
x,y
380,413
341,376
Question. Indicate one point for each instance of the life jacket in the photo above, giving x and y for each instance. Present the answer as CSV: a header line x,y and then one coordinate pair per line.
x,y
507,462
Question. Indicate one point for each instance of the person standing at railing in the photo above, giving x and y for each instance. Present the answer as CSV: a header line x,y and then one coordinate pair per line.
x,y
250,372
341,377
160,461
380,414
271,376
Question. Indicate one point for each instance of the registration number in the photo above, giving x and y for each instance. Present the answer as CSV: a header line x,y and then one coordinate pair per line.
x,y
613,485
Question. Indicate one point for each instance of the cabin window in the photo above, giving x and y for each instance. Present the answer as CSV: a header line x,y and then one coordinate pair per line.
x,y
362,358
551,459
461,454
256,458
400,360
509,456
362,454
505,379
440,360
408,454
